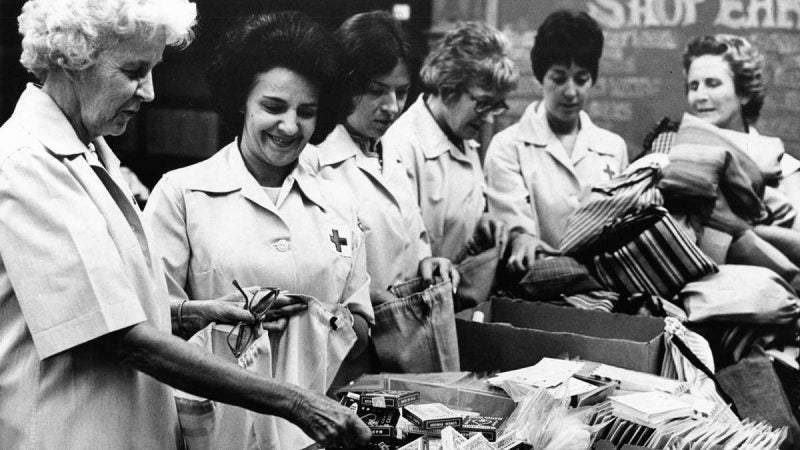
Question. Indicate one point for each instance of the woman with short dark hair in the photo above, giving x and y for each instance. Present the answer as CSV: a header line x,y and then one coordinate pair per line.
x,y
254,214
378,61
537,168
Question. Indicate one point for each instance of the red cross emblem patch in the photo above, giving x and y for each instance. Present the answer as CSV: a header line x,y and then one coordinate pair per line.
x,y
340,239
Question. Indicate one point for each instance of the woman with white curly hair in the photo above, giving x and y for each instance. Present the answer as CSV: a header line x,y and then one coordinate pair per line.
x,y
84,312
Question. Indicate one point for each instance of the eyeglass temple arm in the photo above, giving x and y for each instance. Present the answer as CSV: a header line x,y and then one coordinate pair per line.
x,y
246,299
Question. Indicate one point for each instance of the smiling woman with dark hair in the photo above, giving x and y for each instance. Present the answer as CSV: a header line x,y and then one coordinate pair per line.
x,y
537,168
253,213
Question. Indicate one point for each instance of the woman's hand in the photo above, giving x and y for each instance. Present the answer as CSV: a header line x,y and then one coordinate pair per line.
x,y
434,267
197,314
285,306
194,315
192,370
329,423
489,233
525,249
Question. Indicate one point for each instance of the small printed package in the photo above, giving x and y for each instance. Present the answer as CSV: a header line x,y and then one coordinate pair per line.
x,y
381,421
487,426
432,416
351,400
389,398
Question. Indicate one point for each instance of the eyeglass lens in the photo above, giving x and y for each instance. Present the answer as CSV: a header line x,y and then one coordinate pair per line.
x,y
258,304
487,106
240,337
262,301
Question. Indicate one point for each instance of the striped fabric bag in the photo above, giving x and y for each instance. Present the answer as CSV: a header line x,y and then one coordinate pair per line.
x,y
608,201
646,251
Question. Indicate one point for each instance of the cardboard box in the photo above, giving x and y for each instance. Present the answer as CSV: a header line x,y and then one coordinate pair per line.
x,y
381,421
389,399
517,333
485,425
432,416
456,390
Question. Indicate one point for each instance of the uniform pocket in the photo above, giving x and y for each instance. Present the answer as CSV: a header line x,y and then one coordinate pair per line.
x,y
207,284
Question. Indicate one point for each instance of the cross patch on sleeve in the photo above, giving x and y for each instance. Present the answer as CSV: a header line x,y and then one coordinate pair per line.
x,y
341,241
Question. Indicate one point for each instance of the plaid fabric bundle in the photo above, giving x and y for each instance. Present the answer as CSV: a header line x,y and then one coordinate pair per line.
x,y
663,142
553,276
608,201
646,251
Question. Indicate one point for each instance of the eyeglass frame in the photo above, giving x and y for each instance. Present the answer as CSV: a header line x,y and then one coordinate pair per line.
x,y
239,346
482,108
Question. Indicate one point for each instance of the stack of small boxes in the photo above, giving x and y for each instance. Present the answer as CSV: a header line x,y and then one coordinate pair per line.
x,y
397,420
380,411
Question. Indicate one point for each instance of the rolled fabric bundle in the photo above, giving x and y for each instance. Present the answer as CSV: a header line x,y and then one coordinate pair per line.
x,y
739,293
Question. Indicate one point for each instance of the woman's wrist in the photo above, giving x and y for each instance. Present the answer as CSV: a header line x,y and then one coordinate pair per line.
x,y
179,316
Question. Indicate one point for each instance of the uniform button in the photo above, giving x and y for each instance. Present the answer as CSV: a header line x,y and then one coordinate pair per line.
x,y
282,245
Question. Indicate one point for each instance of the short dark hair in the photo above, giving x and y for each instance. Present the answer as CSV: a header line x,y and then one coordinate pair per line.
x,y
564,37
288,39
744,60
372,45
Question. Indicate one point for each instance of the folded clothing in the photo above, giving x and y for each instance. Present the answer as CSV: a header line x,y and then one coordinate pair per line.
x,y
554,276
748,294
595,300
703,172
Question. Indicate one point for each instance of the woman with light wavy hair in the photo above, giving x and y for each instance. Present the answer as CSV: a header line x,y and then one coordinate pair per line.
x,y
84,312
465,80
725,87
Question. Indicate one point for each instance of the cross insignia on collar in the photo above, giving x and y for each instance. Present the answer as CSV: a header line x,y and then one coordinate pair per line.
x,y
609,171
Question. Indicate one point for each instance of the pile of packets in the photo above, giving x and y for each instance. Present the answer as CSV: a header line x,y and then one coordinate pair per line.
x,y
399,421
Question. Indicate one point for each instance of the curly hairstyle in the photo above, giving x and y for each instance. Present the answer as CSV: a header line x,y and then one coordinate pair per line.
x,y
372,45
472,54
72,34
745,61
565,37
287,39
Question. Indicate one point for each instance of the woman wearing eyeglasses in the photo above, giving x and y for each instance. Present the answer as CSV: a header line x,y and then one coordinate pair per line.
x,y
465,80
536,168
254,214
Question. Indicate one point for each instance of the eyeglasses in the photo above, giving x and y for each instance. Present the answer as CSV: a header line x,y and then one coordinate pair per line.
x,y
488,106
258,304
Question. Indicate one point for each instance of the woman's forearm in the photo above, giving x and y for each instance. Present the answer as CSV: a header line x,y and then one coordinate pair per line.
x,y
178,364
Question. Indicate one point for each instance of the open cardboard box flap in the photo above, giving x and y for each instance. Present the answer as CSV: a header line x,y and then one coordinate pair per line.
x,y
517,333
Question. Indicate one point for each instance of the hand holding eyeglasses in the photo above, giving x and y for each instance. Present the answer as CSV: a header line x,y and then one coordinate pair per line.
x,y
268,307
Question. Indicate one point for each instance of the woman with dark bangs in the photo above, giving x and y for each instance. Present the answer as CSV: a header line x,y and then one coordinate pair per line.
x,y
253,214
537,168
378,61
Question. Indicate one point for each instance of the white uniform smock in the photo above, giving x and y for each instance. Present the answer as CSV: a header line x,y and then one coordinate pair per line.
x,y
396,240
75,265
213,223
448,183
534,185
